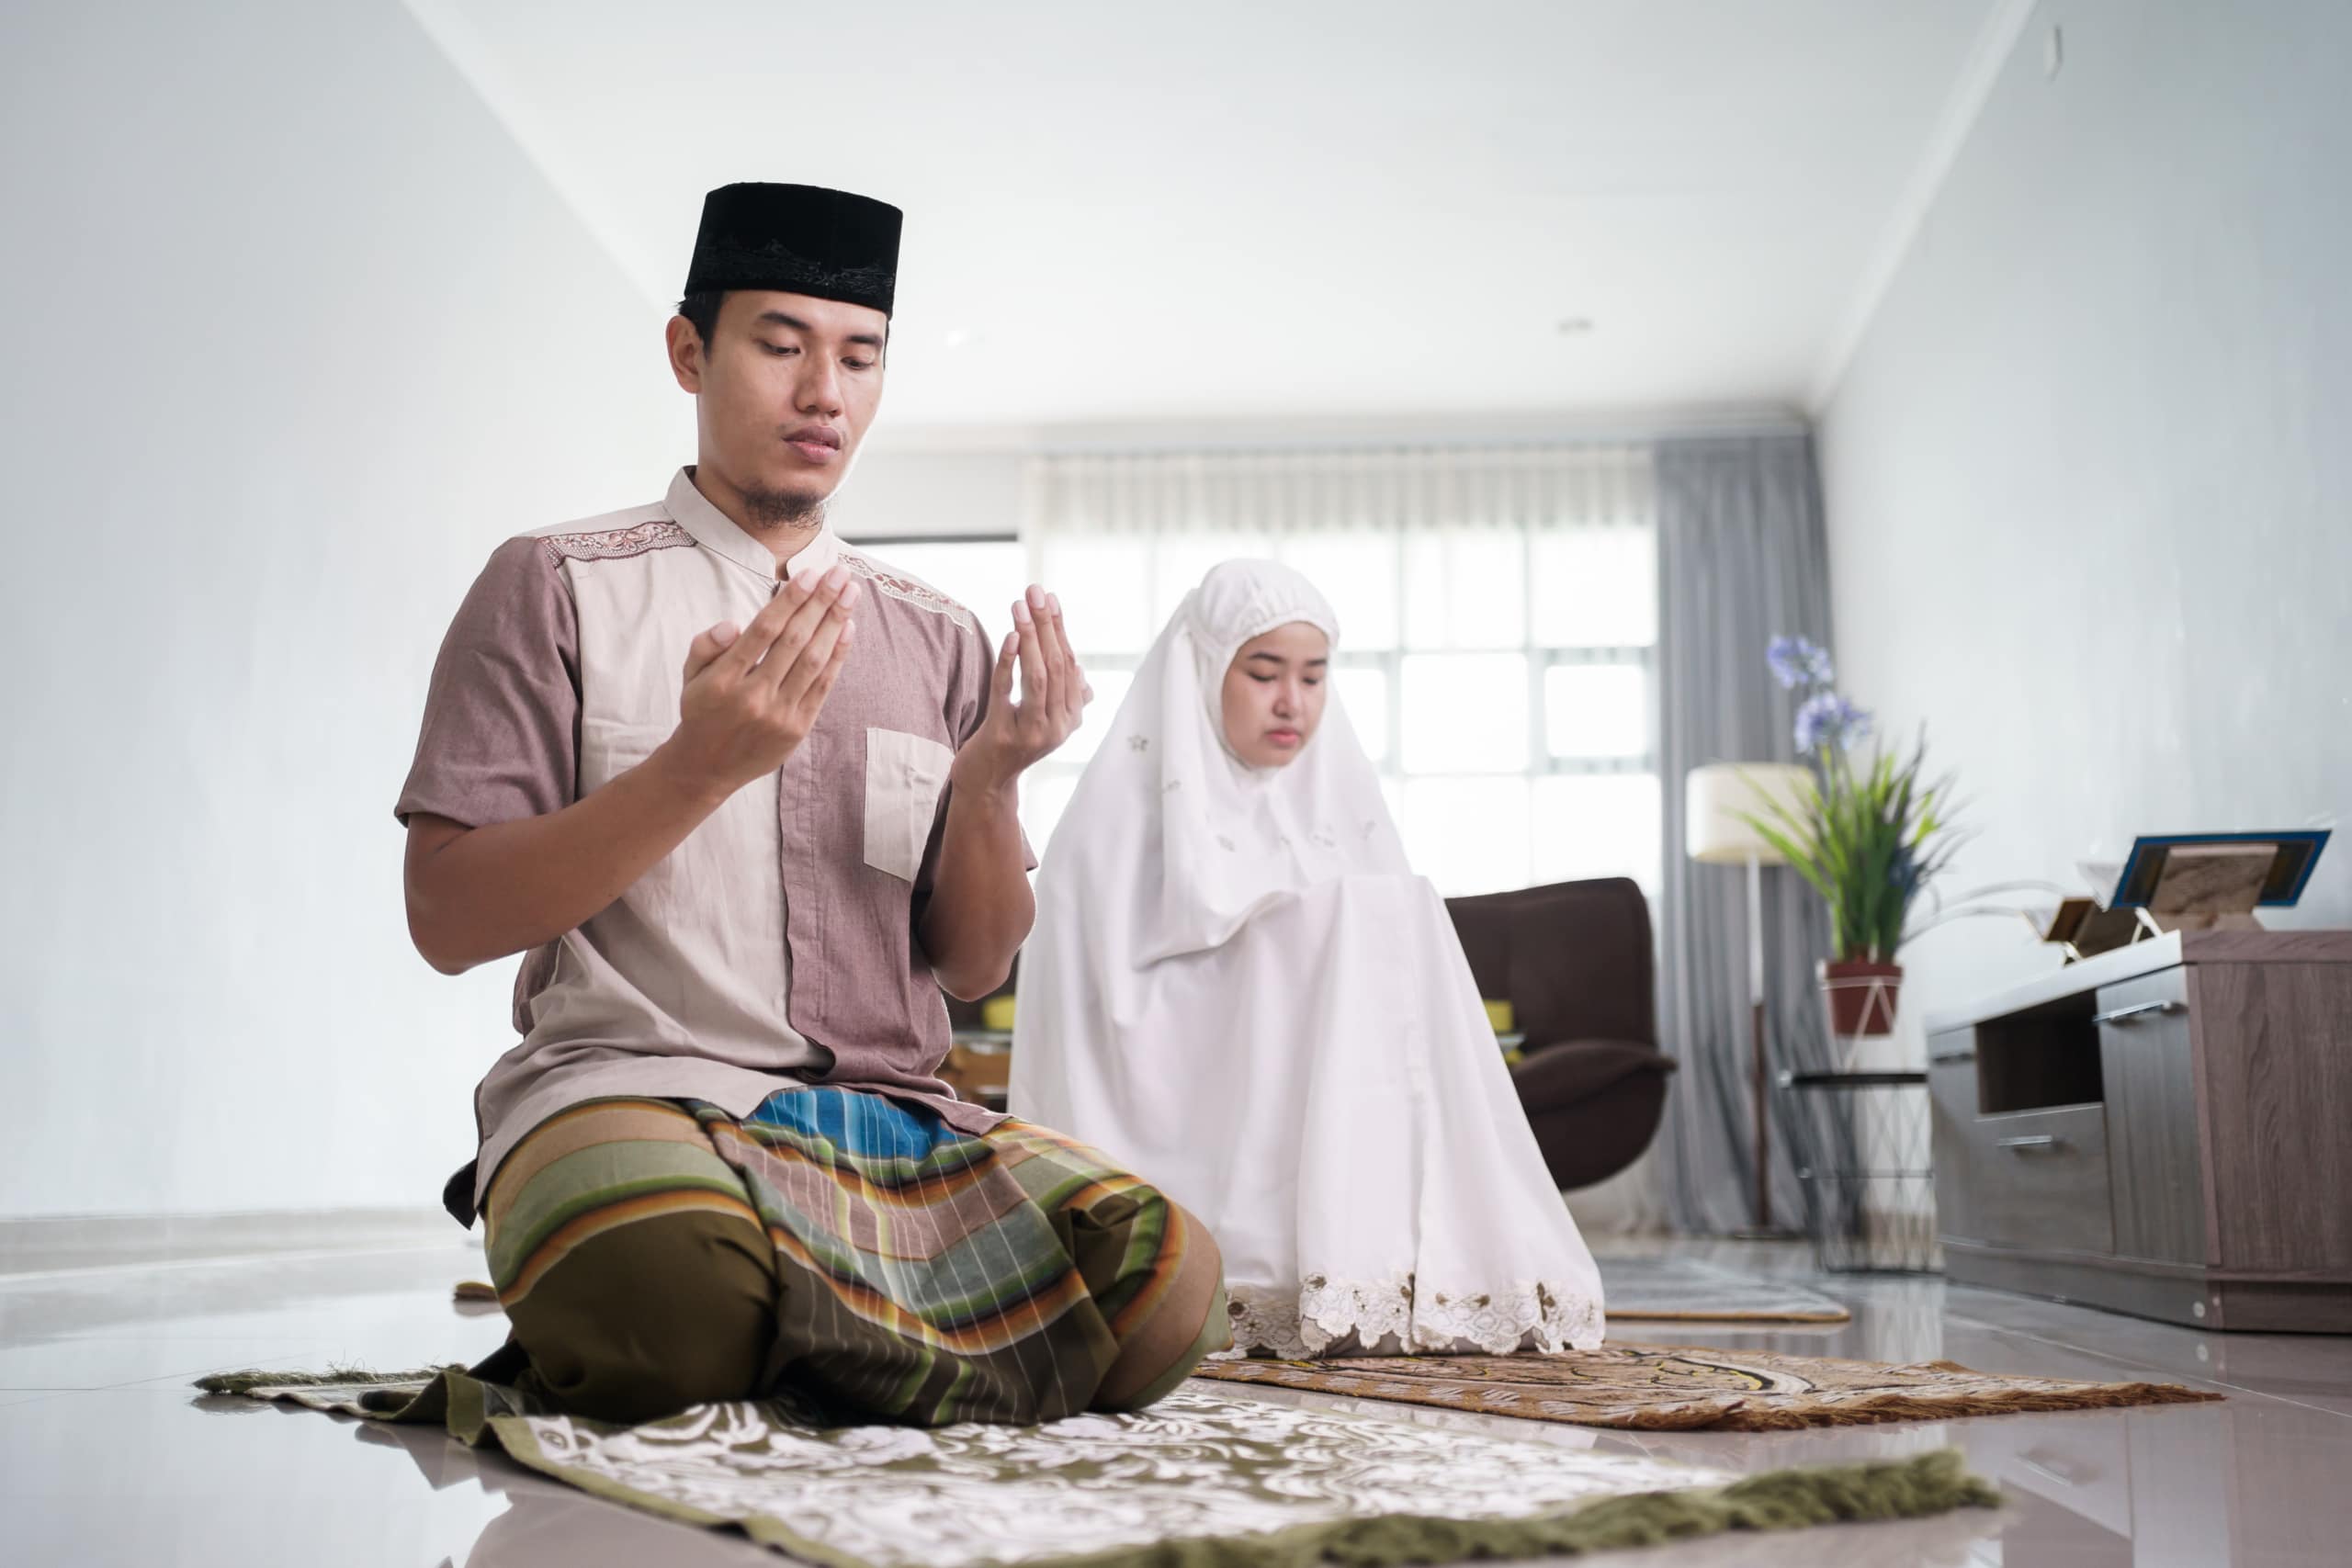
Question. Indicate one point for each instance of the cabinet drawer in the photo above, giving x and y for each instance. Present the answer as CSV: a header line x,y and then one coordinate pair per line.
x,y
2039,1179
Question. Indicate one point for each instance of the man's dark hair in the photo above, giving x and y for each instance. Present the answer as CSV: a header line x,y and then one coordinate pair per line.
x,y
702,311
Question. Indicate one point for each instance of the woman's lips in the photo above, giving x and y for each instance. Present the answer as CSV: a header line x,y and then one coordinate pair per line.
x,y
1283,736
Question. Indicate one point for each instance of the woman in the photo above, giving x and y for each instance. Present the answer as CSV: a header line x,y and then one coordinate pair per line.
x,y
1237,983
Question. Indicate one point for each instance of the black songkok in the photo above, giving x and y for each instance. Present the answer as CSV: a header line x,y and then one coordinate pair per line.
x,y
806,240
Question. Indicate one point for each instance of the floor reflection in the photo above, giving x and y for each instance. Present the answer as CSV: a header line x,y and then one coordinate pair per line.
x,y
106,1455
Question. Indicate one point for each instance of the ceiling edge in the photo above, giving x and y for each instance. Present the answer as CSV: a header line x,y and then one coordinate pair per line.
x,y
1979,73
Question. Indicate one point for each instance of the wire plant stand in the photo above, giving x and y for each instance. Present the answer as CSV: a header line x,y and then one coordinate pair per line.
x,y
1865,1156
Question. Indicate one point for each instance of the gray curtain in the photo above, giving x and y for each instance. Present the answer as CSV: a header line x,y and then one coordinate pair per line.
x,y
1742,558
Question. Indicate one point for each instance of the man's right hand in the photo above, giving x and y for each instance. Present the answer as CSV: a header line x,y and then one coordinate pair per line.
x,y
752,696
480,893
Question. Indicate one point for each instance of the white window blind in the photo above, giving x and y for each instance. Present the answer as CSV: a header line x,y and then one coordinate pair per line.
x,y
1498,612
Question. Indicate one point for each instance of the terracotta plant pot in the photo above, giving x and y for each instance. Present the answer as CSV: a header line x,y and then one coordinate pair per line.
x,y
1861,996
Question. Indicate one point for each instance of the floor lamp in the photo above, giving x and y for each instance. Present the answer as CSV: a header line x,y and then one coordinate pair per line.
x,y
1717,833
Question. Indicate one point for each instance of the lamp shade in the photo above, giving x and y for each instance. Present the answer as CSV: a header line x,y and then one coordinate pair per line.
x,y
1714,832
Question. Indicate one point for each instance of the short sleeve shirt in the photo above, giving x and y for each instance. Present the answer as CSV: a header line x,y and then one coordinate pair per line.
x,y
777,944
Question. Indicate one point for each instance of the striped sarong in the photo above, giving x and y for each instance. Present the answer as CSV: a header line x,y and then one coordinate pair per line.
x,y
845,1247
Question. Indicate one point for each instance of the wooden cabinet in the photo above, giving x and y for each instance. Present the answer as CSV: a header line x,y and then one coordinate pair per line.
x,y
2165,1129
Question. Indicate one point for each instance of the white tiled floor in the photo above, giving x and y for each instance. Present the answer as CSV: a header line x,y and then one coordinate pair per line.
x,y
107,1456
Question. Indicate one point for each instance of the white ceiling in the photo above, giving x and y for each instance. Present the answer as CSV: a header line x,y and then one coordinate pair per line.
x,y
1219,210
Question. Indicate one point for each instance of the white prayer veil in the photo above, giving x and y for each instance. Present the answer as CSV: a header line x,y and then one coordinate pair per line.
x,y
1238,989
1179,842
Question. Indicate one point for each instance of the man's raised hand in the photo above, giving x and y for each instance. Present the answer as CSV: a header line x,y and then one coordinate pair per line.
x,y
1054,692
753,695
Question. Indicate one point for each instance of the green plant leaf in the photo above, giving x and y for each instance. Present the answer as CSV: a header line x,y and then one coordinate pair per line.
x,y
1868,818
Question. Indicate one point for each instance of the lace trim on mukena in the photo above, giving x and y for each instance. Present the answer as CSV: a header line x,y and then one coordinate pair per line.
x,y
1396,1316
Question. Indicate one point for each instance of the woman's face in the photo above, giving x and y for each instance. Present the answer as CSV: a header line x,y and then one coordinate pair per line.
x,y
1274,695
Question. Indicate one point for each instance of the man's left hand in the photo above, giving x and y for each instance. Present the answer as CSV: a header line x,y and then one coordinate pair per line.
x,y
1054,695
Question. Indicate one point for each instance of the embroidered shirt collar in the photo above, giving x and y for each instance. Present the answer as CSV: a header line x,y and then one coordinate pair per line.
x,y
717,533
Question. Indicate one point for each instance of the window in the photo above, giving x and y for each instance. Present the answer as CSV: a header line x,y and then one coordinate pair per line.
x,y
1499,623
1513,729
1523,706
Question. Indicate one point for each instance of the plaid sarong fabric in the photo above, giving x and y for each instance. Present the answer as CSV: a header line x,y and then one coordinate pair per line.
x,y
847,1246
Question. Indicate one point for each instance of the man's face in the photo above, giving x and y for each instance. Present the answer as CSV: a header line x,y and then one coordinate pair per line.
x,y
785,391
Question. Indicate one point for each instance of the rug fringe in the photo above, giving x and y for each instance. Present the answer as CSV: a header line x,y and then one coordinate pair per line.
x,y
245,1383
1914,1488
1879,1409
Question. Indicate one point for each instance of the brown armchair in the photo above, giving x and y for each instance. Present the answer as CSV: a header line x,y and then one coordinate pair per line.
x,y
1573,960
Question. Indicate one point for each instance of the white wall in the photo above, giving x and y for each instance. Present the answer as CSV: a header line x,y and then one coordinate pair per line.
x,y
295,336
2088,479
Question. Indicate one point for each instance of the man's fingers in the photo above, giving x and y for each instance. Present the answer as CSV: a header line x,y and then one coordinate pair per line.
x,y
1070,680
1037,673
710,646
808,662
1051,640
1061,621
830,600
1000,678
759,634
813,699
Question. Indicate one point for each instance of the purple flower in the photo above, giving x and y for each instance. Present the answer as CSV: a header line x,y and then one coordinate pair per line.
x,y
1796,661
1829,720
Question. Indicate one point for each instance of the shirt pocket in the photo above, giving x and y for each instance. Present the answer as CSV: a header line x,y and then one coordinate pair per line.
x,y
904,777
607,750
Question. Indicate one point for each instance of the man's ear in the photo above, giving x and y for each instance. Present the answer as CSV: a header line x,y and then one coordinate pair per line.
x,y
685,354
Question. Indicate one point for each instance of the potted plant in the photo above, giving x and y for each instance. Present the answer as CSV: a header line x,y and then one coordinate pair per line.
x,y
1869,839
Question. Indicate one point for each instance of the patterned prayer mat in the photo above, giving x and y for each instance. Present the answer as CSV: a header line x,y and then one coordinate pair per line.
x,y
1682,1290
1680,1388
1201,1480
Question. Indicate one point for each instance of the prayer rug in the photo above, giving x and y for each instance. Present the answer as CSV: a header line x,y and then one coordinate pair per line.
x,y
1682,1290
1681,1389
1199,1479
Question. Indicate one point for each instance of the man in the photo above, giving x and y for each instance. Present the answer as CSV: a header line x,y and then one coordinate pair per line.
x,y
747,800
